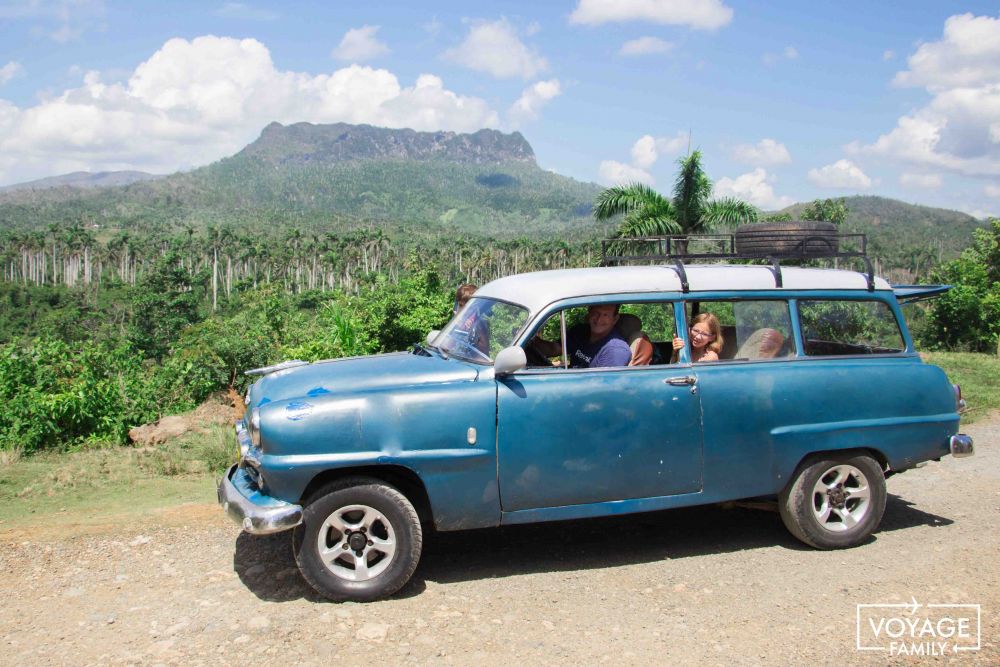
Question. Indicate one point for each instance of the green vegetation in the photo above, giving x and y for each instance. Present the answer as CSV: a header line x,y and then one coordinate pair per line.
x,y
967,317
120,305
977,375
906,240
500,195
171,351
645,212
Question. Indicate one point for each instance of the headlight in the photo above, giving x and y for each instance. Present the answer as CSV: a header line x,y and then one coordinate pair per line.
x,y
255,427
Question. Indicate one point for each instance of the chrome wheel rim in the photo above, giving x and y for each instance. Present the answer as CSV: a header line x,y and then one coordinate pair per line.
x,y
841,498
356,543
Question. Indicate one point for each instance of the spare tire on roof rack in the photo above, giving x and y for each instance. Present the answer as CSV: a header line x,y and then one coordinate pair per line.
x,y
795,238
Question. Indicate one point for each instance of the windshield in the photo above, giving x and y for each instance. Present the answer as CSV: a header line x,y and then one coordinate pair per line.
x,y
481,329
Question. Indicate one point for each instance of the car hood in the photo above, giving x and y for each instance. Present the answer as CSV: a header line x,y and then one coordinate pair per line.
x,y
358,374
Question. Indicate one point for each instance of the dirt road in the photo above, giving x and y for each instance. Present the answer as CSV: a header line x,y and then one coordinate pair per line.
x,y
700,586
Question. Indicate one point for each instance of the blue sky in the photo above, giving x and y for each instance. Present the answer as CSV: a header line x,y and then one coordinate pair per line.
x,y
788,101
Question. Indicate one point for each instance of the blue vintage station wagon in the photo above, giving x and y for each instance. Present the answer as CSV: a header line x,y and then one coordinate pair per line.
x,y
727,382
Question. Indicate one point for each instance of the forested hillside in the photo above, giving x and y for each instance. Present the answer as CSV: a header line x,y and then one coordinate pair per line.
x,y
906,236
83,180
335,178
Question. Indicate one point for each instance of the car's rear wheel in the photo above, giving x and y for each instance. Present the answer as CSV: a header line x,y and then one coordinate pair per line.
x,y
835,501
360,539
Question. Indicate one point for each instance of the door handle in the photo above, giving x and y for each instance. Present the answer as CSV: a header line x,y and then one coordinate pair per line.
x,y
682,381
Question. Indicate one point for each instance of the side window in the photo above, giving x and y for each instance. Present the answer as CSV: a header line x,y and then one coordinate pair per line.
x,y
739,330
605,335
849,327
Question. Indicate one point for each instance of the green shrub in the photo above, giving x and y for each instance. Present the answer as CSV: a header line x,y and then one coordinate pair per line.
x,y
56,393
967,317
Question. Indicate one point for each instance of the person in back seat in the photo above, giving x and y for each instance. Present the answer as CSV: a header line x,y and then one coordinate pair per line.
x,y
706,338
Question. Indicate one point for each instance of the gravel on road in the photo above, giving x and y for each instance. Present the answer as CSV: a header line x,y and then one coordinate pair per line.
x,y
710,585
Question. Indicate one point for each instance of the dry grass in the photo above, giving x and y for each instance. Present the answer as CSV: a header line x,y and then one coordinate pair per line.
x,y
96,480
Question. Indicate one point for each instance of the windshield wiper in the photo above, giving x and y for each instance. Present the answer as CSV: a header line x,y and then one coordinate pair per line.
x,y
424,350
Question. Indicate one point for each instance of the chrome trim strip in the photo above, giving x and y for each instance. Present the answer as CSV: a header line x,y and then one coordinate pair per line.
x,y
961,446
255,518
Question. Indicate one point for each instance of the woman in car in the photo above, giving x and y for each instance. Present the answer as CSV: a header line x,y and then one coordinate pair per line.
x,y
706,339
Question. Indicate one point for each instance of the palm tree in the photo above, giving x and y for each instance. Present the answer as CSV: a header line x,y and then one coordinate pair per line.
x,y
646,212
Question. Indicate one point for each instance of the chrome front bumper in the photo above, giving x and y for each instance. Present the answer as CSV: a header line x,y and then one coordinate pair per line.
x,y
257,513
961,446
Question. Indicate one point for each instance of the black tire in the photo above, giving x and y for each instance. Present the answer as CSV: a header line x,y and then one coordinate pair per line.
x,y
799,238
851,514
392,520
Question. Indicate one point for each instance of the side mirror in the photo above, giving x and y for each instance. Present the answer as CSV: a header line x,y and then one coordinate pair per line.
x,y
432,336
508,360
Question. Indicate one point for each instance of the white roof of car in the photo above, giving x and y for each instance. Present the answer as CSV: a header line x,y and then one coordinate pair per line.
x,y
538,289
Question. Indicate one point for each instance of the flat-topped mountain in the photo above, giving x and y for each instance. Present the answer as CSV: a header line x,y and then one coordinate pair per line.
x,y
336,176
306,143
329,177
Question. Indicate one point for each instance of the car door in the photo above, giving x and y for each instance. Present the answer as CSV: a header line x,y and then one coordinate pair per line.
x,y
578,436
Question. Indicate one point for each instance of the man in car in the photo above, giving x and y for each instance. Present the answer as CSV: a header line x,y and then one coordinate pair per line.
x,y
595,344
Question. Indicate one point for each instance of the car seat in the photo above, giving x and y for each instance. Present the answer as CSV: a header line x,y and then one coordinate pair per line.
x,y
763,343
630,327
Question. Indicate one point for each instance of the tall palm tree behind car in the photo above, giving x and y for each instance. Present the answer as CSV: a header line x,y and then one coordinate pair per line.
x,y
646,212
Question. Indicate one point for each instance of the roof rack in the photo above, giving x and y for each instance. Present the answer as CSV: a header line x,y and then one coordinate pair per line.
x,y
674,250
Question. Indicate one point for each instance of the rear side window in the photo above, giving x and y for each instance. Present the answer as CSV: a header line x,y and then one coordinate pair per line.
x,y
849,327
748,330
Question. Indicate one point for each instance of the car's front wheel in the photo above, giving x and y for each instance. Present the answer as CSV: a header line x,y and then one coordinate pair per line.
x,y
360,539
835,501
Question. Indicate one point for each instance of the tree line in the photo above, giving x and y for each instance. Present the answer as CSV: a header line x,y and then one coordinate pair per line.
x,y
295,260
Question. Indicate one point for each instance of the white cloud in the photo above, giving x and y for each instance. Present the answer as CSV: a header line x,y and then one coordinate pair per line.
x,y
703,14
888,54
788,53
920,181
645,46
244,12
645,152
754,187
196,101
9,71
495,48
766,152
534,97
959,129
992,190
648,149
842,174
968,55
617,173
359,45
980,213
